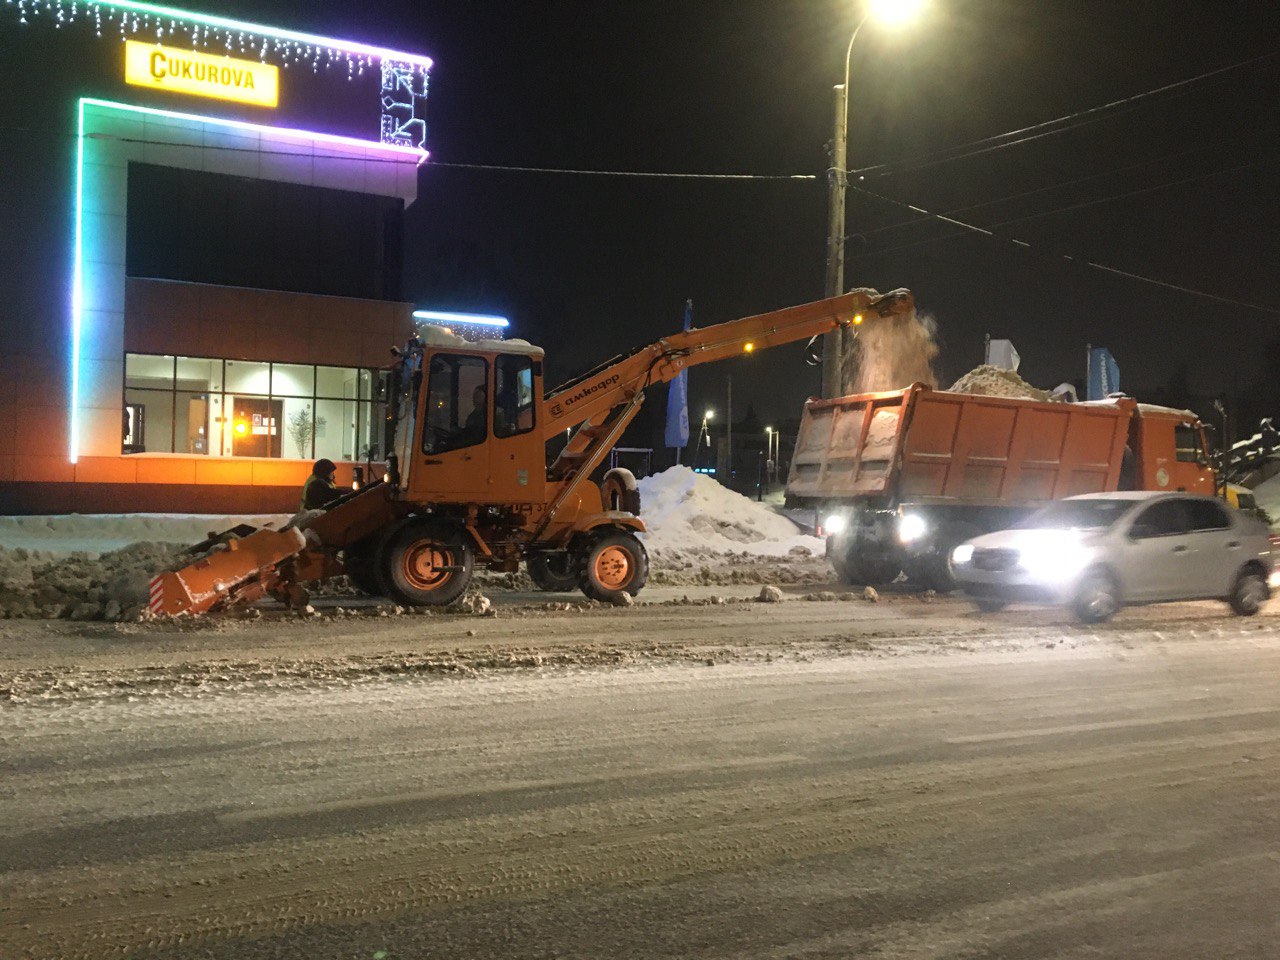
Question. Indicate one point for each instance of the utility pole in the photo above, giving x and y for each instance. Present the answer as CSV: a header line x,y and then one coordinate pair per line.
x,y
728,431
833,346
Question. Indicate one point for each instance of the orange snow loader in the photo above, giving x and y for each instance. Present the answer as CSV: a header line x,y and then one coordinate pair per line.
x,y
468,480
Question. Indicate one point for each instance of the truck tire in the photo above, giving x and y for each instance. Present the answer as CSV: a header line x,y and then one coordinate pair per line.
x,y
553,572
614,565
427,564
869,570
619,491
933,568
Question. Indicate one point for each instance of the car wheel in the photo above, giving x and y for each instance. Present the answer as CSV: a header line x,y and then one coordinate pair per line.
x,y
1097,597
1249,594
990,604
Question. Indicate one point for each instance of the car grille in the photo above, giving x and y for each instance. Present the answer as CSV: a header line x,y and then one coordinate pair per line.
x,y
987,558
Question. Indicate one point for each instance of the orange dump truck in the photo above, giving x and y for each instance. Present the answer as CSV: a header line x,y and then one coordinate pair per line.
x,y
899,479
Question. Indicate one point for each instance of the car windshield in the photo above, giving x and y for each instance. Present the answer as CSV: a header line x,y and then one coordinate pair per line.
x,y
1077,515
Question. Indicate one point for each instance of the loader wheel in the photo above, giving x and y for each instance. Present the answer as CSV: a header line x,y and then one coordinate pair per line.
x,y
427,565
616,564
619,491
553,572
360,562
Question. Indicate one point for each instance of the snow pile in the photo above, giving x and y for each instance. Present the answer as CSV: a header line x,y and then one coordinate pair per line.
x,y
691,514
992,381
1267,495
75,533
112,586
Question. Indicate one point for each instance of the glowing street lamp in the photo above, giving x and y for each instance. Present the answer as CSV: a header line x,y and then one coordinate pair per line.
x,y
893,14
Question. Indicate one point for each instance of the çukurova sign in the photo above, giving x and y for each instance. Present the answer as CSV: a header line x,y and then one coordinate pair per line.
x,y
201,74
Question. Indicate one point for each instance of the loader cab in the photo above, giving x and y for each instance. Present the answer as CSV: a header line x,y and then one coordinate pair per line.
x,y
1172,452
477,438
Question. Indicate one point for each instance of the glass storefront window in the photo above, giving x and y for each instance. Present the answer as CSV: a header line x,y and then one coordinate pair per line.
x,y
148,421
239,408
246,376
293,380
336,382
200,375
148,372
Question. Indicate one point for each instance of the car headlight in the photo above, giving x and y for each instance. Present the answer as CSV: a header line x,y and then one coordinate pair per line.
x,y
962,553
1274,580
911,527
834,523
1055,559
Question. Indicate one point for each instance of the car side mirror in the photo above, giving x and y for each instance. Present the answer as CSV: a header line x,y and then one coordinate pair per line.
x,y
1141,531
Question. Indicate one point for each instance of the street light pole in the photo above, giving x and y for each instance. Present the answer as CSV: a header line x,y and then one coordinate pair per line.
x,y
833,343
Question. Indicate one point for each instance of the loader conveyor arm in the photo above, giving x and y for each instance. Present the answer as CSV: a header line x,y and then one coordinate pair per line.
x,y
592,396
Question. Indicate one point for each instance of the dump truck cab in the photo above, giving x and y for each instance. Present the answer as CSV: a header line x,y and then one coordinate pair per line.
x,y
1170,451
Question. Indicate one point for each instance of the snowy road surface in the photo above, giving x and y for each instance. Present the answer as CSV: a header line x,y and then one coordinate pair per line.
x,y
848,780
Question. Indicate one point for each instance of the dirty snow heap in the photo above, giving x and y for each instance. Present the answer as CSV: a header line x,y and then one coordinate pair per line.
x,y
992,381
691,514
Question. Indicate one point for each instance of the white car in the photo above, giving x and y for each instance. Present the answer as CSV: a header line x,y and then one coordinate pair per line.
x,y
1098,552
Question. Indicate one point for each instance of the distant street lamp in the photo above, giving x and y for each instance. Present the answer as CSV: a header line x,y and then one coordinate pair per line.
x,y
892,14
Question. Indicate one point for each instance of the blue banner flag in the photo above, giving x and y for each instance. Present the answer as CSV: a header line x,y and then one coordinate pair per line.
x,y
1104,374
678,398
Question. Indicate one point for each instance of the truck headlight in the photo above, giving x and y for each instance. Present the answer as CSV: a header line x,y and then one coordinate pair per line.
x,y
911,527
962,553
834,524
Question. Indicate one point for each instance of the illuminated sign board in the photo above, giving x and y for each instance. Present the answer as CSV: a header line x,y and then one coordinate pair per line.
x,y
201,74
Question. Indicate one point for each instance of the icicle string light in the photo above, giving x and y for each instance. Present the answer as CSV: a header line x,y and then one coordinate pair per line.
x,y
403,75
205,31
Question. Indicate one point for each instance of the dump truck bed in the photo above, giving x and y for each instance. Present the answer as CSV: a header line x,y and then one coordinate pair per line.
x,y
920,445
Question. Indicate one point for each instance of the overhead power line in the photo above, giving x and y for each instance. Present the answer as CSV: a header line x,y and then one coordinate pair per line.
x,y
627,173
1047,128
1105,268
864,234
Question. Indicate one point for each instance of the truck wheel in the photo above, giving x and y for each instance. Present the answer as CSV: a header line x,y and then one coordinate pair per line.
x,y
619,491
427,565
614,565
1249,594
553,572
1097,597
934,567
871,570
990,604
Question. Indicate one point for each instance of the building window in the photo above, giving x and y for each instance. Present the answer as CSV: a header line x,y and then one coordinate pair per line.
x,y
241,408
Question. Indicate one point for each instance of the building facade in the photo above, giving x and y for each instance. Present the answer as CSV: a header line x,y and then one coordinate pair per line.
x,y
200,276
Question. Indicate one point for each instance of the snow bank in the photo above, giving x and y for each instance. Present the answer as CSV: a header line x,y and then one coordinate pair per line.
x,y
112,586
690,513
74,533
1267,494
992,381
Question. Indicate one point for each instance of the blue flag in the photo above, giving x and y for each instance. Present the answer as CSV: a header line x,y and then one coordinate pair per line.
x,y
678,398
1104,374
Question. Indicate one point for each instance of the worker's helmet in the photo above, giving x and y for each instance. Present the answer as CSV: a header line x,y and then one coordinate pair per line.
x,y
324,468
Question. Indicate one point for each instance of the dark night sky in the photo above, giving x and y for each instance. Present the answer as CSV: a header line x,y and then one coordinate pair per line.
x,y
592,266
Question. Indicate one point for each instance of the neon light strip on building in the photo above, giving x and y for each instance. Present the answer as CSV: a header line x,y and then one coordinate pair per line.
x,y
442,316
281,135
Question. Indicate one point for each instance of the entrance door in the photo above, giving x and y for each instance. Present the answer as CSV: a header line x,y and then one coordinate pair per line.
x,y
255,427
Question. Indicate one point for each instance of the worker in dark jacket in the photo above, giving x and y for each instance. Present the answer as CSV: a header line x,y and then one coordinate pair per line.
x,y
319,491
